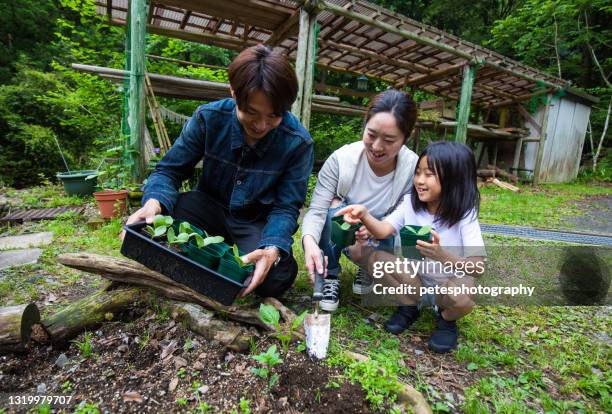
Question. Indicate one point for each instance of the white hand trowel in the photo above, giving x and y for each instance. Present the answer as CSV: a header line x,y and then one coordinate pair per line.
x,y
317,326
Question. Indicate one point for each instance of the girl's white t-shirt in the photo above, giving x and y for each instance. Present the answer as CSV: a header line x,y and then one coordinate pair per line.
x,y
463,239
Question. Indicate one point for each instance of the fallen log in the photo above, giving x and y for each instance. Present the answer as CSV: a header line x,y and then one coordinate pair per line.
x,y
203,322
16,326
485,173
407,395
128,271
89,312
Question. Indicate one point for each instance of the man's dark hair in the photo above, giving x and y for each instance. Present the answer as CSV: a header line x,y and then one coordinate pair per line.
x,y
259,68
398,104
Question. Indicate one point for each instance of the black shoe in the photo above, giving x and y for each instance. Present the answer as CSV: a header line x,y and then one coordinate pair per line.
x,y
403,317
444,337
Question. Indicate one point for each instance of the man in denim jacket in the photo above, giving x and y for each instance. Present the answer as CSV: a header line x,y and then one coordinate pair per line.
x,y
257,159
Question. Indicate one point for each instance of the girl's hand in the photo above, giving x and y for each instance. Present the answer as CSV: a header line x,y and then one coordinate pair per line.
x,y
362,235
353,213
432,250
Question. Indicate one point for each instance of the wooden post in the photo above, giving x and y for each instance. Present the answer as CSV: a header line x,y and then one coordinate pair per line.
x,y
304,63
136,104
463,113
541,143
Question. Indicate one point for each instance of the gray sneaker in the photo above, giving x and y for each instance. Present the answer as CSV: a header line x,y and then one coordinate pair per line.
x,y
331,295
363,282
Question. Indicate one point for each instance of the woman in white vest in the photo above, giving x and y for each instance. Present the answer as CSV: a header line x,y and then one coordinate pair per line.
x,y
376,172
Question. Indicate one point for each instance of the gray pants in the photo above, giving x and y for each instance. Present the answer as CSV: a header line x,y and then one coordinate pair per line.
x,y
205,212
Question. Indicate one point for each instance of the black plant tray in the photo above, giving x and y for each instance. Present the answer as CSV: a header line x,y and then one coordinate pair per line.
x,y
177,267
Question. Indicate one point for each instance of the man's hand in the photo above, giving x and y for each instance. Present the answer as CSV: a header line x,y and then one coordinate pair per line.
x,y
151,208
263,259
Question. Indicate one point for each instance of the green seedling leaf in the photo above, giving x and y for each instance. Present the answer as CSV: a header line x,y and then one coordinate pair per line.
x,y
345,226
274,379
185,227
410,229
170,235
150,230
199,240
237,256
182,238
212,240
159,231
298,320
91,177
269,315
159,220
424,230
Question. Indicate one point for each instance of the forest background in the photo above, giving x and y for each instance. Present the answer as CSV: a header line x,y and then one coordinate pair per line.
x,y
43,100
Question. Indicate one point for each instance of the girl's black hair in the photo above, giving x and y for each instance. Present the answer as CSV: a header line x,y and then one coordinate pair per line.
x,y
397,103
455,166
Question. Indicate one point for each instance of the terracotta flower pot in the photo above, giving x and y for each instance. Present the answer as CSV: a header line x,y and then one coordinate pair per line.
x,y
111,203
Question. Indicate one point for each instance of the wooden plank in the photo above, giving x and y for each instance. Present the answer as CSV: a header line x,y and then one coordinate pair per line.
x,y
530,119
283,31
434,75
540,153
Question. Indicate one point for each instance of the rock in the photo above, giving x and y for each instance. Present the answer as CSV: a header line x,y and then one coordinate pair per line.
x,y
418,352
229,357
61,361
180,362
173,384
122,348
203,389
19,257
41,388
198,366
25,241
282,402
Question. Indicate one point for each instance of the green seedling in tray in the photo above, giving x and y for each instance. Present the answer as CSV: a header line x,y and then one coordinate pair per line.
x,y
421,232
345,226
161,224
238,257
186,232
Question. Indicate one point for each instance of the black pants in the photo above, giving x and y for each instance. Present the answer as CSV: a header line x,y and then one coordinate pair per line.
x,y
203,211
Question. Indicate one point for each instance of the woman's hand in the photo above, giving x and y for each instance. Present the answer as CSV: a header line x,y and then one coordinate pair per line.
x,y
434,249
313,258
353,214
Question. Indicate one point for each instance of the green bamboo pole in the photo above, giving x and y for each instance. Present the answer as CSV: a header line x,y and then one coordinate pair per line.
x,y
463,112
136,104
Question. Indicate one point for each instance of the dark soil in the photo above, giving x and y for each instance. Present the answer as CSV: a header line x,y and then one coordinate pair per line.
x,y
127,373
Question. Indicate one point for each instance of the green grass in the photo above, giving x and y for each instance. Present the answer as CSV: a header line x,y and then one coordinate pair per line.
x,y
517,359
543,206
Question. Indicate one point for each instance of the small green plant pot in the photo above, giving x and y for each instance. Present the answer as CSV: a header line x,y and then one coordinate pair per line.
x,y
185,247
343,238
409,242
230,268
208,256
75,182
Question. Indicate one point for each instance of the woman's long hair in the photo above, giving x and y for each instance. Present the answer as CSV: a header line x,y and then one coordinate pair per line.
x,y
455,168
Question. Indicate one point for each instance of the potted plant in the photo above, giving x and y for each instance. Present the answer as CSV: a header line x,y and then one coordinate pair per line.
x,y
343,233
75,181
409,235
112,199
232,265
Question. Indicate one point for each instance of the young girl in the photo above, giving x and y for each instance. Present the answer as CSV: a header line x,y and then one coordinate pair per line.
x,y
445,197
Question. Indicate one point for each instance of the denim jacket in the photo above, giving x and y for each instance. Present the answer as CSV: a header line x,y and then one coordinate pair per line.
x,y
251,183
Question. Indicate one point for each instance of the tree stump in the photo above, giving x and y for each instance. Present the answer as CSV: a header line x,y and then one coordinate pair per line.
x,y
16,326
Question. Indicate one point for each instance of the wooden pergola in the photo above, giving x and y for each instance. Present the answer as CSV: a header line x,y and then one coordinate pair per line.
x,y
351,36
